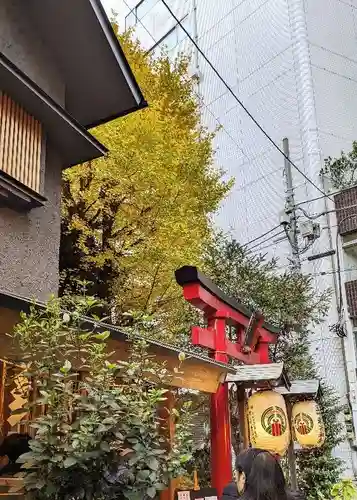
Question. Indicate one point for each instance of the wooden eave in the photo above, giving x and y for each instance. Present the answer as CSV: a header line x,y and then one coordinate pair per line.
x,y
197,372
73,143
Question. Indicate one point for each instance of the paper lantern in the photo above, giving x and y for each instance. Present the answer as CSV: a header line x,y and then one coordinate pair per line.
x,y
307,423
268,422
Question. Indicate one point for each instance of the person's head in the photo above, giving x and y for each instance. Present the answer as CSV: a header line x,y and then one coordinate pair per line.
x,y
15,445
259,476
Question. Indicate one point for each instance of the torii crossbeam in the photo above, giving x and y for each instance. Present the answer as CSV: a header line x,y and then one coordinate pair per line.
x,y
251,346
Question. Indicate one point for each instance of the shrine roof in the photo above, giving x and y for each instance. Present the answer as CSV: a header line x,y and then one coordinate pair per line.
x,y
20,303
271,375
190,274
301,388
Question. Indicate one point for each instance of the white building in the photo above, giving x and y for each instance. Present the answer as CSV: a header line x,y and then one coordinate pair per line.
x,y
293,63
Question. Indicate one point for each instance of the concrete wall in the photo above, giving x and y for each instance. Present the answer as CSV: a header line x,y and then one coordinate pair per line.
x,y
29,242
20,43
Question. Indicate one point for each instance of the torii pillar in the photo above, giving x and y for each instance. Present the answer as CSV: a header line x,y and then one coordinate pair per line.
x,y
251,347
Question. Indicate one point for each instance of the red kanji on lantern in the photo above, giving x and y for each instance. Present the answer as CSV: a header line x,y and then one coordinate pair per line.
x,y
276,428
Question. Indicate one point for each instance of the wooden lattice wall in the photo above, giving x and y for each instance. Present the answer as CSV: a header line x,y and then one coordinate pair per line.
x,y
14,393
20,143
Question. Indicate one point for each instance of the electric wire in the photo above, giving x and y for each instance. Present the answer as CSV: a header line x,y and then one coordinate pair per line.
x,y
200,98
254,120
270,245
218,122
261,236
316,216
221,125
267,239
331,271
320,197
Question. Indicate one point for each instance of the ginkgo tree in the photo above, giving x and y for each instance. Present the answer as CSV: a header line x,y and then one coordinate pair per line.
x,y
130,219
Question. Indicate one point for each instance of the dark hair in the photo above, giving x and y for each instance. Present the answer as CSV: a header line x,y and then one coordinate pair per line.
x,y
14,446
264,478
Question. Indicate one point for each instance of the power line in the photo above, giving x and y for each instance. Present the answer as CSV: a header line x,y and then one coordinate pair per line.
x,y
217,120
270,139
316,216
267,239
261,236
331,271
272,244
200,98
320,197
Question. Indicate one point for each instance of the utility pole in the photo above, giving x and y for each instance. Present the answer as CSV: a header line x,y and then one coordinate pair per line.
x,y
291,231
290,211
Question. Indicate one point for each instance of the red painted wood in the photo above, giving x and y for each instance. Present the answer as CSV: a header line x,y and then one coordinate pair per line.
x,y
221,449
221,455
263,352
211,305
219,315
204,337
235,351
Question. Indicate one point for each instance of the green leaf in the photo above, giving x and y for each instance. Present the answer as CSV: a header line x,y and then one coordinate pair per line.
x,y
104,446
66,367
151,492
185,458
153,464
69,462
102,336
25,457
133,460
160,486
153,477
40,484
143,474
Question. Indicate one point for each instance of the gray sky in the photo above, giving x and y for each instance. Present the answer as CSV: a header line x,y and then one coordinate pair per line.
x,y
111,4
119,7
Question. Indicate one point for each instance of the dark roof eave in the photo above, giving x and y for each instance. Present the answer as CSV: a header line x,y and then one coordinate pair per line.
x,y
99,81
73,142
143,104
119,55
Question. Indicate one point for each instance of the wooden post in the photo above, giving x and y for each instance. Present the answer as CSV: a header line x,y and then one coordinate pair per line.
x,y
221,452
243,427
168,429
2,397
6,412
291,454
221,455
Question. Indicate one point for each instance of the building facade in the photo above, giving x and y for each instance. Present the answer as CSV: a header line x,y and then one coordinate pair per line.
x,y
46,107
62,71
293,64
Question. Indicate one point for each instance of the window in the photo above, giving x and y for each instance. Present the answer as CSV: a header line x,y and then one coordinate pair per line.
x,y
174,36
130,20
138,12
20,144
144,7
170,40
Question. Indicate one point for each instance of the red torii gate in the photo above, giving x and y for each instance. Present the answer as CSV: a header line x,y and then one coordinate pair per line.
x,y
253,337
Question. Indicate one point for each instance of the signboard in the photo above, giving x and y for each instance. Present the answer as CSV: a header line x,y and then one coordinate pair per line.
x,y
202,494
